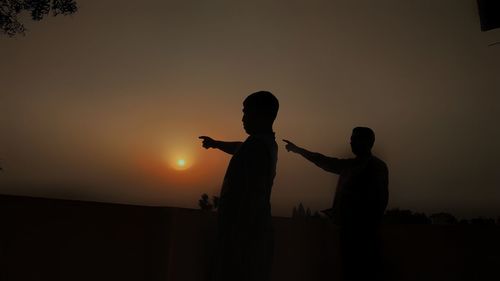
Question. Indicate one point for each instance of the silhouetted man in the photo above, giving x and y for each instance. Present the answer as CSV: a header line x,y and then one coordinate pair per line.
x,y
245,233
359,204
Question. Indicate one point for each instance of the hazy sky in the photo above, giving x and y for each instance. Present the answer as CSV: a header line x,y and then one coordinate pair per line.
x,y
101,105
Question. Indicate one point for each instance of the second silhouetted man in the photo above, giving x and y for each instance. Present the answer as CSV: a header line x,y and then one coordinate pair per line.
x,y
359,204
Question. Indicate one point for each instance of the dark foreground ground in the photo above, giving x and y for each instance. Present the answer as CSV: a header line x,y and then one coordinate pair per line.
x,y
48,239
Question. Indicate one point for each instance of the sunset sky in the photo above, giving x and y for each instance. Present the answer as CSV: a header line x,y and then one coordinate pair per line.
x,y
103,104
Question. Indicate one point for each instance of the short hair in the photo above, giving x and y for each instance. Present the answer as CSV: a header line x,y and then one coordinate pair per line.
x,y
262,102
365,135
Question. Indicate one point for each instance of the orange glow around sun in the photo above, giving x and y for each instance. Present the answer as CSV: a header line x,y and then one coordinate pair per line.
x,y
180,169
179,159
181,165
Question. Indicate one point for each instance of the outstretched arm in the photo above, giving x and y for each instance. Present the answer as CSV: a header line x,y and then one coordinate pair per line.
x,y
229,147
326,163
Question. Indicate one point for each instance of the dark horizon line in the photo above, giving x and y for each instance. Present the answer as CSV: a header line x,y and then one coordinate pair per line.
x,y
4,196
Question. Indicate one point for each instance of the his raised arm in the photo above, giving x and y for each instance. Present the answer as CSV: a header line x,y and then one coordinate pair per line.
x,y
329,164
229,147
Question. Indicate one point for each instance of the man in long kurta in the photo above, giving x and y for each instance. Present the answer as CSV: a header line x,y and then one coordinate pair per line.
x,y
245,233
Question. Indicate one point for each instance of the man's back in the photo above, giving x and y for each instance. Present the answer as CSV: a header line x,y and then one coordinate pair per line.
x,y
244,215
362,191
246,191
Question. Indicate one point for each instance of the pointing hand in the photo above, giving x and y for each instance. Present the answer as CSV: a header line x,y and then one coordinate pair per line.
x,y
290,146
208,142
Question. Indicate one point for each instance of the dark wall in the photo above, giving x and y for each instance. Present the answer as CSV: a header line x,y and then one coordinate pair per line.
x,y
43,239
46,239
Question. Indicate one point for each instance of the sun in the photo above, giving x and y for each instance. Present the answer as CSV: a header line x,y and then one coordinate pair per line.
x,y
179,159
181,164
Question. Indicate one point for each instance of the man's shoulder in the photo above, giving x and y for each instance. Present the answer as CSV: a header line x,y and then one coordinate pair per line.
x,y
379,163
346,162
378,160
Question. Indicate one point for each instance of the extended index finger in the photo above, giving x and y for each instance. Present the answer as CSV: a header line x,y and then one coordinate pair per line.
x,y
203,137
287,141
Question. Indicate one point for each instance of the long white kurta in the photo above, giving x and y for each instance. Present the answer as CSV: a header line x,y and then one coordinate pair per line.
x,y
245,233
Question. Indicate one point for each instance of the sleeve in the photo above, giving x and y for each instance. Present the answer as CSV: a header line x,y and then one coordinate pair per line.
x,y
332,164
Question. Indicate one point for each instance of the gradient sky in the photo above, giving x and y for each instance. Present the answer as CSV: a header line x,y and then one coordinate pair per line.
x,y
100,105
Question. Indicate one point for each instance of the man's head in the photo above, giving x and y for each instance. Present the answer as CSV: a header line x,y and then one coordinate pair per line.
x,y
362,140
259,111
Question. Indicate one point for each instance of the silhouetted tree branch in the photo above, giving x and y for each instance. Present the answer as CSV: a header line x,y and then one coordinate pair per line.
x,y
38,9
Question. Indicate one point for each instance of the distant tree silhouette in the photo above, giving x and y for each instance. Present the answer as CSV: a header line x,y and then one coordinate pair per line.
x,y
38,9
482,221
301,212
463,221
443,218
397,216
215,200
205,204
